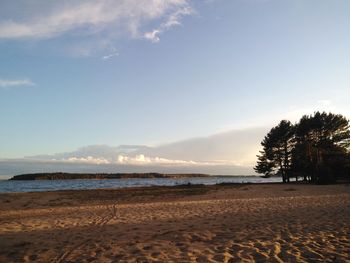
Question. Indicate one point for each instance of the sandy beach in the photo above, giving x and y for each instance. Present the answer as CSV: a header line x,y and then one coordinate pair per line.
x,y
226,223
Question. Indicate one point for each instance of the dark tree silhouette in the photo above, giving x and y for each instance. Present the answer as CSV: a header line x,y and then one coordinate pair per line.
x,y
316,148
322,145
264,166
277,149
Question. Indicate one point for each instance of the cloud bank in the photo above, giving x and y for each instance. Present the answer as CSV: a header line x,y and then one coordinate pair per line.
x,y
236,147
138,159
232,152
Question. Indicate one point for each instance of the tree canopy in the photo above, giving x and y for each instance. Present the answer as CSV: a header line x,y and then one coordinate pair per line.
x,y
317,148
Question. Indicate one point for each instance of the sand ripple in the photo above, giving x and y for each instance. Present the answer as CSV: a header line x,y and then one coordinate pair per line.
x,y
295,228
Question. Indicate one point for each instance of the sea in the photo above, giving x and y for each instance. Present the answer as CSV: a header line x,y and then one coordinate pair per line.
x,y
7,186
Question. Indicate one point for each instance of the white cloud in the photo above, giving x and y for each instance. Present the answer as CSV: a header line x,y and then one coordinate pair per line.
x,y
90,47
92,17
153,36
296,112
88,160
172,20
141,159
109,56
292,113
324,103
7,83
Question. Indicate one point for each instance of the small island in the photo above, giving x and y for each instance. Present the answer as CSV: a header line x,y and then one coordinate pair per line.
x,y
70,176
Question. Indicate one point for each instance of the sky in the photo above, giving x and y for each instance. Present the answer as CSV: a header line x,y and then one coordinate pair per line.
x,y
163,85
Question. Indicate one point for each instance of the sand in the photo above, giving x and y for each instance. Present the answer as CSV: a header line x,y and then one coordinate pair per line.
x,y
228,223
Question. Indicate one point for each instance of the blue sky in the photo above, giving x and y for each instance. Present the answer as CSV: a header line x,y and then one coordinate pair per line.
x,y
167,72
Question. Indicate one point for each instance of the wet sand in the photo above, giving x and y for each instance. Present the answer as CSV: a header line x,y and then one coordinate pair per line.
x,y
227,223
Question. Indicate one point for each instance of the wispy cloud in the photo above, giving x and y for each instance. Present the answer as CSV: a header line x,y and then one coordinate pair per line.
x,y
109,56
91,17
10,83
172,20
292,113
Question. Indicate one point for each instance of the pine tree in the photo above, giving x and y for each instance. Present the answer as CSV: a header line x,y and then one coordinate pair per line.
x,y
322,142
316,148
275,158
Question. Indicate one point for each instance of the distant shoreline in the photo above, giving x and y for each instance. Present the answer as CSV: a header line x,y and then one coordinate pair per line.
x,y
72,176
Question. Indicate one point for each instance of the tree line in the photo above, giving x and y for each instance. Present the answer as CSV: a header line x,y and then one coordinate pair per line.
x,y
315,149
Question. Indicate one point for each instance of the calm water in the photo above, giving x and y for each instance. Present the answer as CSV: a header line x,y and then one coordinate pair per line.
x,y
78,184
